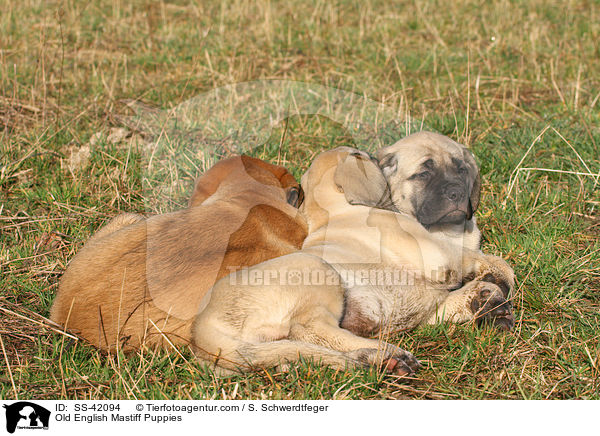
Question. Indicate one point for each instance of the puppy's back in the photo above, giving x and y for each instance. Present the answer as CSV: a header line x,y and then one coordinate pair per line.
x,y
113,258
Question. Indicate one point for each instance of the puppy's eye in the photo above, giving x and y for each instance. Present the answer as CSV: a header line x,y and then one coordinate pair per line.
x,y
424,175
462,171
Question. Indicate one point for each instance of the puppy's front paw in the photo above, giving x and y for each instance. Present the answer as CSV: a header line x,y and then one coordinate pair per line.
x,y
491,307
393,361
499,272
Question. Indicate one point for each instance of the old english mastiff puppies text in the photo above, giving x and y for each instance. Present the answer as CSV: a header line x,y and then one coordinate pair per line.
x,y
142,280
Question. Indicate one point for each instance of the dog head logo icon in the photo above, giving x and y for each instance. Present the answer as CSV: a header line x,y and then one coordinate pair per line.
x,y
27,415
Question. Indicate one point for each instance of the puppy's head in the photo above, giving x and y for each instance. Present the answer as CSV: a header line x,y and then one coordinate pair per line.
x,y
274,175
344,176
235,173
432,178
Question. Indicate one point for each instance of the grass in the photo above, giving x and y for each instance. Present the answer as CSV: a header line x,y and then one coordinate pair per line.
x,y
512,79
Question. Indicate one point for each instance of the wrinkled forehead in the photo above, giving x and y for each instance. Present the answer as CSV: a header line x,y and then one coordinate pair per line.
x,y
414,150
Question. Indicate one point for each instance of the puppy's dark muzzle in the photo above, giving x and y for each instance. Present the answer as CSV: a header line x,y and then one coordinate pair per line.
x,y
447,203
455,193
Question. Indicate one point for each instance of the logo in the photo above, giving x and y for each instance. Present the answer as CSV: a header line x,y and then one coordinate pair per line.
x,y
26,415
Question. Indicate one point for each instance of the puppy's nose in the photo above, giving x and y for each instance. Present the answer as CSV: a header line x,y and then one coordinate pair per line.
x,y
454,193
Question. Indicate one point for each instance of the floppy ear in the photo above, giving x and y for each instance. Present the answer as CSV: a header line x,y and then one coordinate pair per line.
x,y
362,182
294,196
476,190
474,197
388,164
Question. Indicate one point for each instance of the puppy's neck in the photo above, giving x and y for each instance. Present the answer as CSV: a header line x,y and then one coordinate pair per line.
x,y
466,235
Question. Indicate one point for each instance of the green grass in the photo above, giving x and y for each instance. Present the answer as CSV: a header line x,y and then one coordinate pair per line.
x,y
493,75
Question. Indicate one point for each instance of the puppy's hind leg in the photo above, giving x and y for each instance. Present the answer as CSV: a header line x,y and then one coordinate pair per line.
x,y
324,329
214,344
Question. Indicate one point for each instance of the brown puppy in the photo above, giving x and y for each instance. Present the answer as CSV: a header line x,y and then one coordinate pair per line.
x,y
141,281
